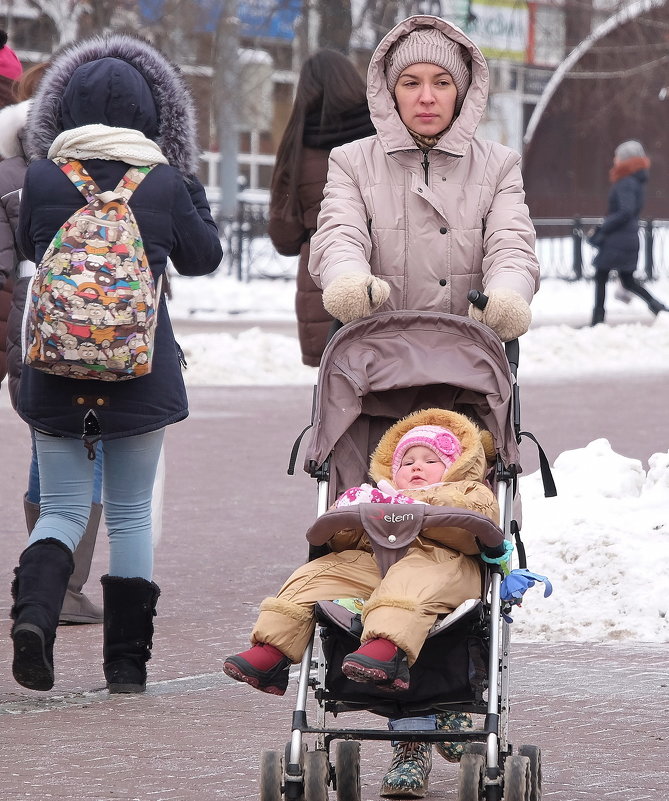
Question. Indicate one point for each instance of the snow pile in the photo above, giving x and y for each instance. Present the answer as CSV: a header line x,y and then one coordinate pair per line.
x,y
603,543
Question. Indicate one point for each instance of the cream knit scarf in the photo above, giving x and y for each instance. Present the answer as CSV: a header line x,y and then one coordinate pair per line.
x,y
106,142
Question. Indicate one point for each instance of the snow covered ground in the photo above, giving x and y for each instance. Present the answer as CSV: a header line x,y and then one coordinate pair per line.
x,y
604,541
560,342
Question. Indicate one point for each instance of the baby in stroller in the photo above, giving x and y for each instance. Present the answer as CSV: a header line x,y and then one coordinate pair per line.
x,y
433,456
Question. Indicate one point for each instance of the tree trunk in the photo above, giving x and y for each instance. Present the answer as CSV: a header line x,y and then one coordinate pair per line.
x,y
577,21
335,24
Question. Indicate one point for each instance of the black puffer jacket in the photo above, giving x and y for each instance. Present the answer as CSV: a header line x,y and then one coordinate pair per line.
x,y
618,236
170,207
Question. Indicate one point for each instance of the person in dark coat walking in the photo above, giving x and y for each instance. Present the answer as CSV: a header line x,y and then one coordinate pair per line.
x,y
110,102
617,238
77,606
330,109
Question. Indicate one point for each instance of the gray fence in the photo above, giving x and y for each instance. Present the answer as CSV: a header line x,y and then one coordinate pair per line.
x,y
564,252
562,247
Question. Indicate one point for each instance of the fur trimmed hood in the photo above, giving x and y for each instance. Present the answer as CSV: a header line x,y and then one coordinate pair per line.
x,y
176,136
477,446
392,132
12,122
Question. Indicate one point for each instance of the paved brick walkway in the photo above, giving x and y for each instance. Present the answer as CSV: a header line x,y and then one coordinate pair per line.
x,y
599,712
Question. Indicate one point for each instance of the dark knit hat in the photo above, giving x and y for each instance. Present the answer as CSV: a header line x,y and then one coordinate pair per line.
x,y
430,46
10,66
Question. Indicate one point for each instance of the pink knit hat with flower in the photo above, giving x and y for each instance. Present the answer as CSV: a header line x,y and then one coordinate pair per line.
x,y
438,439
10,66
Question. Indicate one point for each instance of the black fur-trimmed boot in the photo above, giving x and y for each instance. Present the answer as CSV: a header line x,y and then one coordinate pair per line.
x,y
38,590
129,606
77,607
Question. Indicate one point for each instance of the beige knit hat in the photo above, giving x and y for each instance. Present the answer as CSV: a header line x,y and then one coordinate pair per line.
x,y
430,46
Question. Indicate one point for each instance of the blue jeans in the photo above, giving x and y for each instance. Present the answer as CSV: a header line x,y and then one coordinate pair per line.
x,y
33,494
423,723
66,488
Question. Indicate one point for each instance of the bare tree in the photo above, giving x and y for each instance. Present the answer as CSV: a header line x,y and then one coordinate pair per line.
x,y
65,15
335,24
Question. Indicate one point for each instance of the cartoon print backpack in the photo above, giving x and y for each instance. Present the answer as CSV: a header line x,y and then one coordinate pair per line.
x,y
92,306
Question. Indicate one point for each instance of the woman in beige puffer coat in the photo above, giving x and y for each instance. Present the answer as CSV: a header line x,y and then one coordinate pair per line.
x,y
417,215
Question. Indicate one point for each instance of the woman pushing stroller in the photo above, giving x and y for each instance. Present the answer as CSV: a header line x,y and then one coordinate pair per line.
x,y
419,214
433,456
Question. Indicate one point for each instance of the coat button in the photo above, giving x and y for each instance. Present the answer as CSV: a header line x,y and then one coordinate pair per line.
x,y
81,401
442,282
443,230
100,401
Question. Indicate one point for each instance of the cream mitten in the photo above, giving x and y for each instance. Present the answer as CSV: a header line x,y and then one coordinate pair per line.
x,y
507,313
354,295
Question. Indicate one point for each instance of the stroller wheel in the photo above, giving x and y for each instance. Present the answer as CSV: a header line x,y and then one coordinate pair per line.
x,y
517,778
533,753
470,777
316,776
347,771
271,776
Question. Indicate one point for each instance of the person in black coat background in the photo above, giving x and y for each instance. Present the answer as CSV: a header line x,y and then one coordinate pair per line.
x,y
617,238
330,109
111,102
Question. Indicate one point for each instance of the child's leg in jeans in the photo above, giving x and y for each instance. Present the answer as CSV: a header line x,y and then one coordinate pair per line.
x,y
287,621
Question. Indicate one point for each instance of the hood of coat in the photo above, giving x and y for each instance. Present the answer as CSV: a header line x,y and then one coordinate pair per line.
x,y
478,450
58,107
392,132
12,124
112,92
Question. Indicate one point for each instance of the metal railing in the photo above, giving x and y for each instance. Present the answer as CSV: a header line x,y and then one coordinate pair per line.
x,y
564,252
247,249
562,247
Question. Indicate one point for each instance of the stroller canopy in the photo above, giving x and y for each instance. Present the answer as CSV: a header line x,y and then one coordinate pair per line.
x,y
380,368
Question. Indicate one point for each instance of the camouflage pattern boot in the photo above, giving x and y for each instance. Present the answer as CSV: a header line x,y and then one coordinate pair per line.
x,y
409,771
452,721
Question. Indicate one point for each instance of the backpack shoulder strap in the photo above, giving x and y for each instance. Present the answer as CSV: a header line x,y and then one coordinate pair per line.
x,y
131,180
82,179
79,176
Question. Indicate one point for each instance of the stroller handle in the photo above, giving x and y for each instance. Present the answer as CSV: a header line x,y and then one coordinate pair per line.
x,y
480,300
477,299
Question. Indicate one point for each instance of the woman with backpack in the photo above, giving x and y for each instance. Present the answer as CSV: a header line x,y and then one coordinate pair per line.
x,y
77,607
114,107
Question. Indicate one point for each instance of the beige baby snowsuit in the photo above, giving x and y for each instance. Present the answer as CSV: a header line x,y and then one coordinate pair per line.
x,y
430,580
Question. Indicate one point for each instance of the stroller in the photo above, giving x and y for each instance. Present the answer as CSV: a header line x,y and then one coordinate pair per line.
x,y
374,372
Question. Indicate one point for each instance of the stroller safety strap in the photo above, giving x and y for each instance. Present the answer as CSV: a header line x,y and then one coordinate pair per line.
x,y
550,490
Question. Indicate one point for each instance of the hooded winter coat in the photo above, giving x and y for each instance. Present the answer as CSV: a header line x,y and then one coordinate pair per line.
x,y
170,207
432,225
12,172
618,236
291,237
430,580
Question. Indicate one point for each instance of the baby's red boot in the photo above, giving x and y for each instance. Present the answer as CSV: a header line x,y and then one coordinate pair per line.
x,y
263,666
